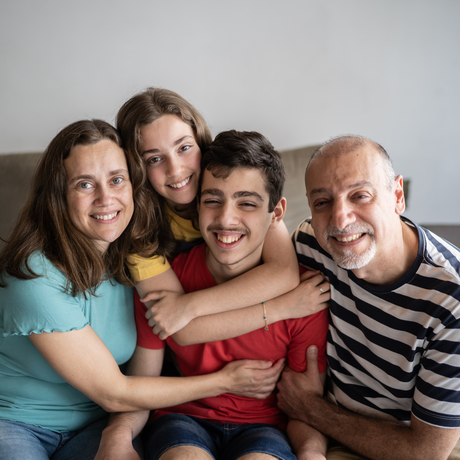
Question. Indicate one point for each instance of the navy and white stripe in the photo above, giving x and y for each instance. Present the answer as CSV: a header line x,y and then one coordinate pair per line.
x,y
394,350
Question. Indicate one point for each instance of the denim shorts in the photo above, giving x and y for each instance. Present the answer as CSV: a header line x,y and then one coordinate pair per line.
x,y
223,441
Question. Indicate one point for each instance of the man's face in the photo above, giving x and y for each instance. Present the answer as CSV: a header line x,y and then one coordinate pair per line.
x,y
234,219
354,214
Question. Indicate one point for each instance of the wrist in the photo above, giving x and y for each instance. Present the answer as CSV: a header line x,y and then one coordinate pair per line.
x,y
273,312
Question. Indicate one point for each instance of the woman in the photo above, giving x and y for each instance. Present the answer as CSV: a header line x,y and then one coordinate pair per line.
x,y
66,305
168,134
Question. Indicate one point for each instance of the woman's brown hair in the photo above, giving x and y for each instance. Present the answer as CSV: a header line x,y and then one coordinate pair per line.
x,y
44,223
142,109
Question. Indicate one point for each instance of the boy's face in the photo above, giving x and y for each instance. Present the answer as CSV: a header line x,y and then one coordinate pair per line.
x,y
234,219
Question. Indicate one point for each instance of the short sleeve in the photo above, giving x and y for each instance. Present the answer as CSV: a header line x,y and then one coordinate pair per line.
x,y
142,268
311,330
40,304
145,337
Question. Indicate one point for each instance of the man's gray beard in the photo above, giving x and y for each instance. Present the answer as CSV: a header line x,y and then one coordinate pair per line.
x,y
347,259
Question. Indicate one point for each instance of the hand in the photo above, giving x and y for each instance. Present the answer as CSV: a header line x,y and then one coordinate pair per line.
x,y
310,296
169,313
297,390
252,378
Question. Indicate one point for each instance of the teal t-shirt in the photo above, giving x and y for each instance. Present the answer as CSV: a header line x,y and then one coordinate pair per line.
x,y
30,390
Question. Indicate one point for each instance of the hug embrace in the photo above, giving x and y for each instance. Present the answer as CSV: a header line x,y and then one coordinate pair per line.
x,y
153,243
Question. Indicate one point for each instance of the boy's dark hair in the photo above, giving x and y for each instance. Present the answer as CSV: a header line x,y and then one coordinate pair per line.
x,y
246,149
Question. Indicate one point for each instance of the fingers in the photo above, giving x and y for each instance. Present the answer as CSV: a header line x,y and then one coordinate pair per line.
x,y
278,367
154,295
312,362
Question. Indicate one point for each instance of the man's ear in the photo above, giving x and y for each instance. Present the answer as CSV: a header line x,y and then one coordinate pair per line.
x,y
399,195
278,212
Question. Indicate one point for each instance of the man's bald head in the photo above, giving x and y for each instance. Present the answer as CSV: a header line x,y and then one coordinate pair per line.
x,y
342,145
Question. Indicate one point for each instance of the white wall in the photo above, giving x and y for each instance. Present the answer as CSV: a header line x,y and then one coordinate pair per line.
x,y
299,71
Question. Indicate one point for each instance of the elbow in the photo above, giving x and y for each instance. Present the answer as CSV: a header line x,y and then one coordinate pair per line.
x,y
113,405
115,399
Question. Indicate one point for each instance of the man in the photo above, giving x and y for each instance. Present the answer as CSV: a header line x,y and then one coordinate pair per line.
x,y
394,335
240,200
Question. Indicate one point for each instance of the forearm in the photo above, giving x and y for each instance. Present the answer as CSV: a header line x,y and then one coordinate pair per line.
x,y
307,443
378,439
255,286
231,324
124,427
306,299
148,393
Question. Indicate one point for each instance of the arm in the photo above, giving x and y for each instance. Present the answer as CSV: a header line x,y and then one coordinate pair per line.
x,y
82,359
117,438
306,299
307,443
300,396
277,275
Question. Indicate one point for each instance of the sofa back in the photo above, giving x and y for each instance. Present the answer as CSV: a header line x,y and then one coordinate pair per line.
x,y
16,173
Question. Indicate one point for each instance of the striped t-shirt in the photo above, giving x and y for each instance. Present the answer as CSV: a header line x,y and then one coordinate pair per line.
x,y
394,350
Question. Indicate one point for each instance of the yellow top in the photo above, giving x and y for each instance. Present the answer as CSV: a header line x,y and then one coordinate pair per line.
x,y
143,268
183,229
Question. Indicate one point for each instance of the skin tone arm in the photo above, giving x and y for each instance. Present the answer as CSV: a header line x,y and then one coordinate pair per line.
x,y
116,441
82,359
277,275
307,443
302,301
300,396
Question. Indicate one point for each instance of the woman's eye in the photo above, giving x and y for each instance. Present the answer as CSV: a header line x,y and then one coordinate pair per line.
x,y
117,180
84,185
185,147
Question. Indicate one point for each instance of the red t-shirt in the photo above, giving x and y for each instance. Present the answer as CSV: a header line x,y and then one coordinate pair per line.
x,y
289,338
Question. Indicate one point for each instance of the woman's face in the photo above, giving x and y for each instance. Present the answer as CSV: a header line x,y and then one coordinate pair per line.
x,y
99,192
172,157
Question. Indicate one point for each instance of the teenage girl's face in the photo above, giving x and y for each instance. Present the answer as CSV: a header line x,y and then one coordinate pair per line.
x,y
172,157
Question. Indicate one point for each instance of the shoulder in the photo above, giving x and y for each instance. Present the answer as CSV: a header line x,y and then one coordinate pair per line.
x,y
47,275
439,253
41,304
